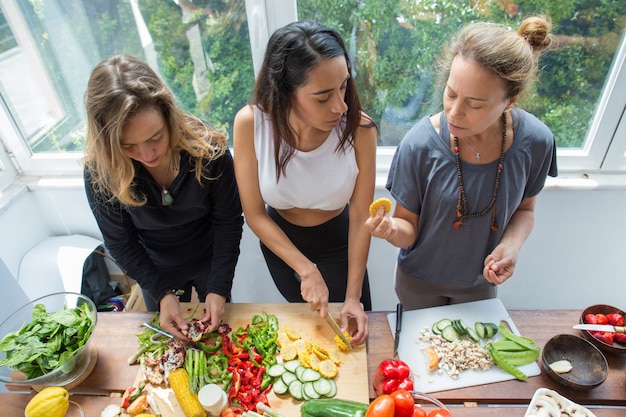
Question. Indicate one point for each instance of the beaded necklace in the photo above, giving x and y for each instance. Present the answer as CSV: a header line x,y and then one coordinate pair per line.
x,y
462,211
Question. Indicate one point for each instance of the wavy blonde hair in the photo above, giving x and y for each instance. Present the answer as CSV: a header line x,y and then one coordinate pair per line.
x,y
120,87
510,55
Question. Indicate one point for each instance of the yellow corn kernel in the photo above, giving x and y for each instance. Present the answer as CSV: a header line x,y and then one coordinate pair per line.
x,y
318,348
340,344
189,403
314,361
288,351
328,369
303,357
334,356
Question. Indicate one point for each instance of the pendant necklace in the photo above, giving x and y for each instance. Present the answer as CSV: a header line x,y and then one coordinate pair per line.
x,y
477,156
462,210
166,197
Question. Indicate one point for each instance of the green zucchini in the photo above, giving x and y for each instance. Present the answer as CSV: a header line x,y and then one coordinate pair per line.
x,y
333,407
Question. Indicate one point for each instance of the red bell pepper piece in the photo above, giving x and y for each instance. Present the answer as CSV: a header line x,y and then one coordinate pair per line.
x,y
392,374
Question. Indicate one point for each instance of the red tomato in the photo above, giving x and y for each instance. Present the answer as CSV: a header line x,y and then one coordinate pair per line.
x,y
419,412
403,402
602,319
591,319
615,319
382,406
440,412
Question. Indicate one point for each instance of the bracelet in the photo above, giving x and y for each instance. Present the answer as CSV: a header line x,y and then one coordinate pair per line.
x,y
352,298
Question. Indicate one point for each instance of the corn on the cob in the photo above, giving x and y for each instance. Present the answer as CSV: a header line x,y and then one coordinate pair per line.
x,y
189,403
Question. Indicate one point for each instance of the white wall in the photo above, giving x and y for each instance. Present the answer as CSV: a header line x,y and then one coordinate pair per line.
x,y
574,257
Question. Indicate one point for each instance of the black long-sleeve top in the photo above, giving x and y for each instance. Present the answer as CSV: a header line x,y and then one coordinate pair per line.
x,y
151,242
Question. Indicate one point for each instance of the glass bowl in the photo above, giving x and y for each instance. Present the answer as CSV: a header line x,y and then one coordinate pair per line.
x,y
80,360
427,402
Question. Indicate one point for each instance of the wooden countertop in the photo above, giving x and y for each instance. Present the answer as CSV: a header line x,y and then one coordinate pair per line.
x,y
115,336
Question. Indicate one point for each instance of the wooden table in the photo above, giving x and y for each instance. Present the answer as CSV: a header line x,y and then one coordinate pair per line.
x,y
115,338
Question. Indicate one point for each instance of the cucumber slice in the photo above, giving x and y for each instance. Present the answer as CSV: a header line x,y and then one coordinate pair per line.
x,y
310,375
442,324
434,329
471,333
333,388
288,377
458,326
276,370
493,329
480,329
450,334
295,389
322,386
280,387
291,365
299,371
309,391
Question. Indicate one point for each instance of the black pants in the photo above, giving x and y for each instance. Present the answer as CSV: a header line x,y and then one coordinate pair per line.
x,y
327,246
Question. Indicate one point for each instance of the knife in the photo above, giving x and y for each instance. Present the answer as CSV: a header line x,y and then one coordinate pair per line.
x,y
333,325
158,329
601,328
396,341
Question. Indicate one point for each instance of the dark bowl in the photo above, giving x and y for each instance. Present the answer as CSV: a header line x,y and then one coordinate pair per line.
x,y
589,366
602,309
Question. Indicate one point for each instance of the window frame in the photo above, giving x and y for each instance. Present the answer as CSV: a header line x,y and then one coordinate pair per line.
x,y
604,152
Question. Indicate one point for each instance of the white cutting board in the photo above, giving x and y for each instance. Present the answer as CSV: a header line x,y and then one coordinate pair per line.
x,y
409,349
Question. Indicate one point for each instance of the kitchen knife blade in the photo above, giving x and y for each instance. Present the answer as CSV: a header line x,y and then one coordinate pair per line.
x,y
601,328
396,341
158,329
337,330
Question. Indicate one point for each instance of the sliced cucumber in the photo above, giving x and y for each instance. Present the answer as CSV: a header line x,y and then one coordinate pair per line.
x,y
276,370
459,327
333,388
280,387
291,365
309,390
323,386
288,377
299,371
481,331
295,389
493,329
442,324
450,334
471,333
310,375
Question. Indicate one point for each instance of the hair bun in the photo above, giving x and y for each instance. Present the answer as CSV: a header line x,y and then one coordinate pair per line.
x,y
536,31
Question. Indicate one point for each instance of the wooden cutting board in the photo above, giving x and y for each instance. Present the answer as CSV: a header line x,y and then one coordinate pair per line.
x,y
351,379
409,349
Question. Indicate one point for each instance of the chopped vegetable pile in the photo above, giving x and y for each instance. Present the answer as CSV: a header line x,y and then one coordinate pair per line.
x,y
48,341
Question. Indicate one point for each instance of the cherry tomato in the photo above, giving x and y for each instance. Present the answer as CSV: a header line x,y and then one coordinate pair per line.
x,y
419,412
382,406
439,412
403,402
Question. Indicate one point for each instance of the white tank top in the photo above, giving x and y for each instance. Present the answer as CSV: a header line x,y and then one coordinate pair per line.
x,y
321,179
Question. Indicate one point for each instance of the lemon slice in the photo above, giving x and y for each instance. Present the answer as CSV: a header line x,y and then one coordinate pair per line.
x,y
385,203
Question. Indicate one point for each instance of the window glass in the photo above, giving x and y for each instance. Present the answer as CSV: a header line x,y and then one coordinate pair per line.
x,y
48,48
395,45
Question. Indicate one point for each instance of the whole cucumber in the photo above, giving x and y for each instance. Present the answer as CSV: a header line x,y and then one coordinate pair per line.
x,y
333,407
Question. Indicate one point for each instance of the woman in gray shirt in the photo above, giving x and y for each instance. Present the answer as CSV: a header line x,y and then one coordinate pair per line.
x,y
466,180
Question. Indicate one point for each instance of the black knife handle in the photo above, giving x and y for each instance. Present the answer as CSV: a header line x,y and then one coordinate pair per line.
x,y
399,310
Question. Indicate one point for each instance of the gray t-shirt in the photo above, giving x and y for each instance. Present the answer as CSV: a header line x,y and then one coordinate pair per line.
x,y
423,179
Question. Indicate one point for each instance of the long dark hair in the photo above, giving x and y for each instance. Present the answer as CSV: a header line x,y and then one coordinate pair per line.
x,y
292,52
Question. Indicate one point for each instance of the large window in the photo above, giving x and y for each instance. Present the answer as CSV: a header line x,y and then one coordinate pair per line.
x,y
208,52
